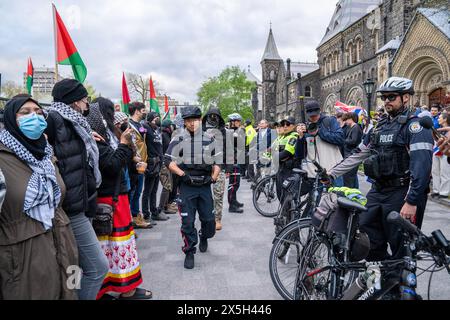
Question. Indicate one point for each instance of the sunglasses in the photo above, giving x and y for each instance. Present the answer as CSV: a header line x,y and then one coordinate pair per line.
x,y
285,124
391,97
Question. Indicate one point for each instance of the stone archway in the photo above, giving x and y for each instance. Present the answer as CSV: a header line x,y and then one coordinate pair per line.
x,y
428,68
329,104
355,97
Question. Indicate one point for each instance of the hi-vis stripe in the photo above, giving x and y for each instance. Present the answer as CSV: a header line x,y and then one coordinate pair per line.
x,y
421,146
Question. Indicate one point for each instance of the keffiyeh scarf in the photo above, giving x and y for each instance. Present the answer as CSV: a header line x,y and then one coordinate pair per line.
x,y
84,131
43,192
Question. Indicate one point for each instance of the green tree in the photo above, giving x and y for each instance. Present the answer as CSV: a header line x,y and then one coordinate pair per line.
x,y
91,91
230,91
10,89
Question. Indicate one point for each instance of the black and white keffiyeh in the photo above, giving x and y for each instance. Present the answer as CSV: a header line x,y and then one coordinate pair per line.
x,y
2,189
43,192
84,131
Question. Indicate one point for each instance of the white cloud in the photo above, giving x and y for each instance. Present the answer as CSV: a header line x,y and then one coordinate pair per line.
x,y
180,43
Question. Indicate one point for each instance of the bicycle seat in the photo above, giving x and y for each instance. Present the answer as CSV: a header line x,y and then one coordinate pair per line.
x,y
350,205
299,171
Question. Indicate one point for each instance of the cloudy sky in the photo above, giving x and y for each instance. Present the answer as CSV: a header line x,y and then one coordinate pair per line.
x,y
181,43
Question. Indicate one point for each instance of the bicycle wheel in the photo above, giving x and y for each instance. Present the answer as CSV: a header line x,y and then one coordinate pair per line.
x,y
285,254
265,198
313,277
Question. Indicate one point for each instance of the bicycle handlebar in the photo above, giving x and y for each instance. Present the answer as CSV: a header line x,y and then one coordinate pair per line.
x,y
318,166
395,218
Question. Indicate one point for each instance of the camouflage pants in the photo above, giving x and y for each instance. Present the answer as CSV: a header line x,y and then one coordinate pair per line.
x,y
166,180
218,193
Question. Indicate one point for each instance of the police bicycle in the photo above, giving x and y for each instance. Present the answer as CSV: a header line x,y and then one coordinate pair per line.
x,y
295,204
333,267
290,239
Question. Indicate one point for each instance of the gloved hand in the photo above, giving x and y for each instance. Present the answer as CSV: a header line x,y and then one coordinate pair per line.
x,y
186,178
326,179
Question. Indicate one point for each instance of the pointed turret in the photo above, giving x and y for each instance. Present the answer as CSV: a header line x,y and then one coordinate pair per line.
x,y
271,51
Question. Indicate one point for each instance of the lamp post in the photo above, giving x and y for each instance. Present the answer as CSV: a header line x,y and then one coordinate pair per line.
x,y
369,84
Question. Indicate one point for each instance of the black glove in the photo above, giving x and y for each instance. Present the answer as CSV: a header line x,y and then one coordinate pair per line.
x,y
326,179
186,178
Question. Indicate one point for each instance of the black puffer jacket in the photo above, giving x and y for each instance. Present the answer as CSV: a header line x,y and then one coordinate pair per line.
x,y
78,176
112,164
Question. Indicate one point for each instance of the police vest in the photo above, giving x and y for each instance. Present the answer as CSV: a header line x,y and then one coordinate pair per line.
x,y
286,142
389,158
199,155
250,134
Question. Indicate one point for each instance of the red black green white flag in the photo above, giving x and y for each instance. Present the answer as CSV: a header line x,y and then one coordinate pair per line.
x,y
125,95
153,102
30,72
66,52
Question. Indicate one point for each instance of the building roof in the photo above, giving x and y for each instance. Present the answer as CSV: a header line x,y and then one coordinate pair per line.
x,y
302,67
394,44
440,18
271,51
348,12
251,77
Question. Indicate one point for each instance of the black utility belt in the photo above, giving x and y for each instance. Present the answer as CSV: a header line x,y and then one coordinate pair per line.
x,y
199,181
399,182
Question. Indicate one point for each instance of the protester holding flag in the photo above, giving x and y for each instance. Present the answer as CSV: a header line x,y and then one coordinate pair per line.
x,y
77,153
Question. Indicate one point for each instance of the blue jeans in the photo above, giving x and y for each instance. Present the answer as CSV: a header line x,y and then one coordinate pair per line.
x,y
92,260
339,182
135,194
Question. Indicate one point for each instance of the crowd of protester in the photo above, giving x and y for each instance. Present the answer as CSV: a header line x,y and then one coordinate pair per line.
x,y
77,157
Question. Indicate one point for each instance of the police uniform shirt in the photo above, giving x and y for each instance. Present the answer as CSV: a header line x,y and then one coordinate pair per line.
x,y
418,142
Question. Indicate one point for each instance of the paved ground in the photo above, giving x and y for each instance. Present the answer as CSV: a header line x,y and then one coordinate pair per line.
x,y
236,263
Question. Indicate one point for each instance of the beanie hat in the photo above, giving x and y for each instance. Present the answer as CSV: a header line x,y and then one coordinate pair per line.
x,y
166,123
68,91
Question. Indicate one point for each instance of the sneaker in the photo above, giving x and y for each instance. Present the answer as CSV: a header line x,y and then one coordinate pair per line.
x,y
434,195
189,260
161,216
150,221
235,209
443,197
172,208
203,246
218,225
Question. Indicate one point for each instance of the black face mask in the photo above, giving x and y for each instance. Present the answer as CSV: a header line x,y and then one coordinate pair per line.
x,y
85,113
124,126
158,123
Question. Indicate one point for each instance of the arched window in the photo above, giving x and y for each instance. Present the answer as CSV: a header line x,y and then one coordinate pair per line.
x,y
325,66
359,49
308,91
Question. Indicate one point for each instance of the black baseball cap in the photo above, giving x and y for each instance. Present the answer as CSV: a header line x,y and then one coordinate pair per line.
x,y
290,120
312,108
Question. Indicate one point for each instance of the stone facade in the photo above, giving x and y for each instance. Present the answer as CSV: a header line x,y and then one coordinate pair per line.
x,y
392,37
424,56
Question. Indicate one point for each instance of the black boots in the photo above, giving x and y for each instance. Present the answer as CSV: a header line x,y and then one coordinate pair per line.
x,y
235,209
189,260
238,204
203,246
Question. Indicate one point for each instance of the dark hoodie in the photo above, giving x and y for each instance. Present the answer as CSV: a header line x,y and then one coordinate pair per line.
x,y
221,127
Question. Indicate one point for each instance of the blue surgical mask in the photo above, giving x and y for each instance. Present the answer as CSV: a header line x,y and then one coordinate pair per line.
x,y
32,126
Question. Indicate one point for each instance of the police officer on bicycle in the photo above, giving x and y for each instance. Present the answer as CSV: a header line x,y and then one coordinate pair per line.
x,y
397,156
285,147
191,156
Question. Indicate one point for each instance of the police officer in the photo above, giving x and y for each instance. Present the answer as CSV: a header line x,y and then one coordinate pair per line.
x,y
285,147
397,156
191,156
235,161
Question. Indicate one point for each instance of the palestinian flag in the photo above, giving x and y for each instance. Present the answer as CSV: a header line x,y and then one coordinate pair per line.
x,y
30,71
66,52
153,102
125,95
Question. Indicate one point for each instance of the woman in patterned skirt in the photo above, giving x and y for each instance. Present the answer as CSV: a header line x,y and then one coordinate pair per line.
x,y
124,274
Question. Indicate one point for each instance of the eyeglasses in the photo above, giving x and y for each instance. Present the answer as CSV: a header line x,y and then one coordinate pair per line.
x,y
391,97
285,124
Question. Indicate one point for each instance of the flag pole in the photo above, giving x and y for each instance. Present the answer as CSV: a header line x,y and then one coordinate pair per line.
x,y
55,39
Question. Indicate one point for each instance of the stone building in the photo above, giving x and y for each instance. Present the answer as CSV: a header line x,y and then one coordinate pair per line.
x,y
365,39
280,79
